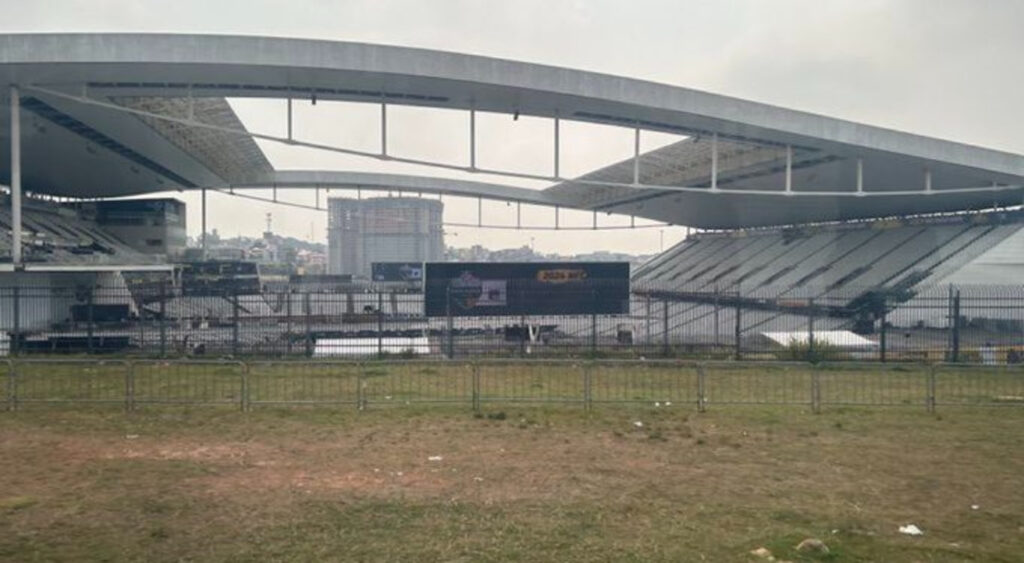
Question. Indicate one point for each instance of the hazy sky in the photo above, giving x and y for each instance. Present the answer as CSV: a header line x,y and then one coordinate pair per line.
x,y
951,69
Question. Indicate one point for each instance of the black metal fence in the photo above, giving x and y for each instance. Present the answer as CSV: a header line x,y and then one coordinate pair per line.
x,y
133,384
981,324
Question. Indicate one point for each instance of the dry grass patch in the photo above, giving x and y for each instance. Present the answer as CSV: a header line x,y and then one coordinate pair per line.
x,y
528,484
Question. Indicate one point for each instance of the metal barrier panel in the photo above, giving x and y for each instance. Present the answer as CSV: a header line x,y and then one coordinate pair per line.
x,y
303,383
407,383
874,384
69,381
536,381
664,383
972,385
768,383
189,382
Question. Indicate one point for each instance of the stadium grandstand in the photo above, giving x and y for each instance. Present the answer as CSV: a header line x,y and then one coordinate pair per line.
x,y
801,221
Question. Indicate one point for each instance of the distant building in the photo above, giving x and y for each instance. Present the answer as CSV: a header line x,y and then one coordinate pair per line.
x,y
361,232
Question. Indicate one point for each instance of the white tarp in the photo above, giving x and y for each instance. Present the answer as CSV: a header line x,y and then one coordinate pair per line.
x,y
332,347
836,338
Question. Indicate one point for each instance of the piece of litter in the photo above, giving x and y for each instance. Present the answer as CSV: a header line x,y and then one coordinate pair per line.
x,y
657,404
131,436
478,479
763,553
638,424
668,403
435,458
911,530
975,507
376,470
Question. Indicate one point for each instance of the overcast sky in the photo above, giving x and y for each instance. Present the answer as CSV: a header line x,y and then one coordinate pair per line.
x,y
950,69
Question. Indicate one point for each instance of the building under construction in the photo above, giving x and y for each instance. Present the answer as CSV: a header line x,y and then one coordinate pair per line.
x,y
364,231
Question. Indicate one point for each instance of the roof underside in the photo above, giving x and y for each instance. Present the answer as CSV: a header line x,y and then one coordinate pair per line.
x,y
108,153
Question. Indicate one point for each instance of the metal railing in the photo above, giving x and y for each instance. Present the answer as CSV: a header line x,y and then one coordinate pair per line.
x,y
133,384
983,324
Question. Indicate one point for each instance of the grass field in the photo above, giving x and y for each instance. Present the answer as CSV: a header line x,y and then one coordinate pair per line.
x,y
521,484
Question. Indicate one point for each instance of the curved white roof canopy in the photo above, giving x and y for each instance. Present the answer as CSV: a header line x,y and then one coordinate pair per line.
x,y
122,154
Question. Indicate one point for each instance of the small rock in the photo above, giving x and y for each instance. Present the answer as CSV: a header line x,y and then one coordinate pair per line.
x,y
812,545
763,553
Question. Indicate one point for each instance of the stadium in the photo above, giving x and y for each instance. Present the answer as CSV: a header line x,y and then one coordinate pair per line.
x,y
804,224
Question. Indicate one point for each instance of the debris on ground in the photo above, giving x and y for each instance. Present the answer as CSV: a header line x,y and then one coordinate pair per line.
x,y
911,530
975,507
131,437
812,545
435,458
763,553
638,424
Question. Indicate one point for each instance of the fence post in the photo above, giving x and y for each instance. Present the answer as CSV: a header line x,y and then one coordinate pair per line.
x,y
738,330
930,400
288,319
307,306
664,328
524,333
588,402
449,325
955,311
476,387
701,389
593,323
234,325
380,324
882,339
163,319
810,329
129,386
88,320
15,346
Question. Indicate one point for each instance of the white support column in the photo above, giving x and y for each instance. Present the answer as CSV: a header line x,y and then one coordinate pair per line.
x,y
15,176
636,157
860,175
290,138
632,221
557,209
479,212
714,161
927,180
202,214
557,148
472,139
789,168
383,129
519,215
595,220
